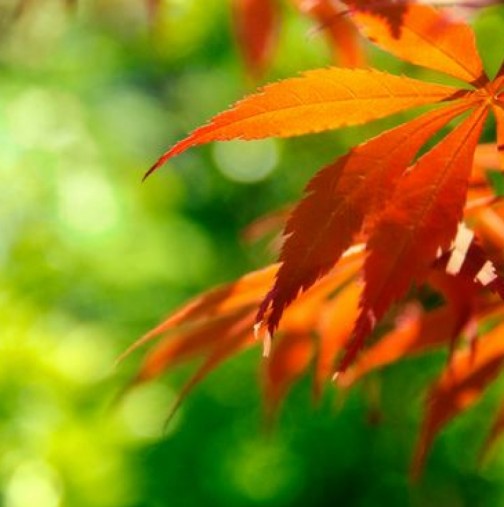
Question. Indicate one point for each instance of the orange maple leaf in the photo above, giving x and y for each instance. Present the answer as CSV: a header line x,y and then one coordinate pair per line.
x,y
219,323
460,386
338,28
257,22
256,26
410,213
419,207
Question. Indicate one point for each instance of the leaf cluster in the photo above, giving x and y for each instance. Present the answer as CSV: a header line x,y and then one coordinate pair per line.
x,y
373,228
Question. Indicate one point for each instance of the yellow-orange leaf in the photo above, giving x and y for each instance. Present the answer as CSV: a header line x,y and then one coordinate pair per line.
x,y
288,361
422,35
305,312
491,226
334,328
234,341
186,344
223,300
256,23
341,33
486,157
461,385
294,349
416,332
318,100
220,322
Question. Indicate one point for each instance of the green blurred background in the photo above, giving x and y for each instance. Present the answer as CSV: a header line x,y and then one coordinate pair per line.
x,y
91,259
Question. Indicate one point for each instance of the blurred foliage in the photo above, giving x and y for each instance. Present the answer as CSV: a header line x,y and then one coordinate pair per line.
x,y
91,258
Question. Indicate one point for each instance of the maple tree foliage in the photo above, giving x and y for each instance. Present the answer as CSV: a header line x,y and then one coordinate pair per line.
x,y
257,24
372,226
